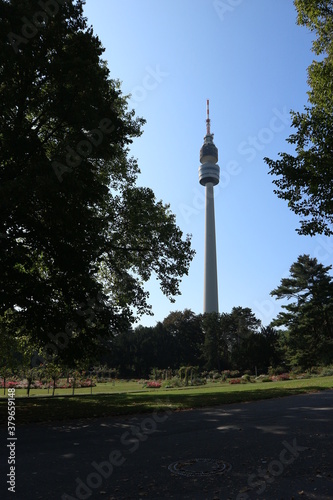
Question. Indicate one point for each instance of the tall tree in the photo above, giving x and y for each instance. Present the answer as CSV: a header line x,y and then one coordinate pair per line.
x,y
215,346
308,316
185,328
78,238
258,350
305,179
243,322
241,325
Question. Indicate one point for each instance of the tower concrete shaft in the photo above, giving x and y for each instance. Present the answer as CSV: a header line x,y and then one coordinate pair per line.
x,y
211,303
209,176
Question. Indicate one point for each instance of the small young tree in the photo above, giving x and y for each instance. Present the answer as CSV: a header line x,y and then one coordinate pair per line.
x,y
5,373
30,374
54,371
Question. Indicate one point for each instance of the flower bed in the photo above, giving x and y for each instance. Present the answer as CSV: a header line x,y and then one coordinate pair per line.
x,y
152,384
36,384
235,381
10,384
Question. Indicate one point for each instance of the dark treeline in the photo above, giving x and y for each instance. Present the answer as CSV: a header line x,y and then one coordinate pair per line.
x,y
211,341
300,336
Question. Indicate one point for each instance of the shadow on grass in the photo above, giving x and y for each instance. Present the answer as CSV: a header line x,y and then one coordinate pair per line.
x,y
41,409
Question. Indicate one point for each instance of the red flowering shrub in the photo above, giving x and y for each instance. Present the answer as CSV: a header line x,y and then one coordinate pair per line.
x,y
153,384
235,381
11,383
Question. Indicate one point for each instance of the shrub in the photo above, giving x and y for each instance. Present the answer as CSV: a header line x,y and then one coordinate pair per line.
x,y
246,378
283,376
302,376
153,384
10,384
263,378
199,381
235,381
278,370
296,370
326,372
316,369
157,374
175,382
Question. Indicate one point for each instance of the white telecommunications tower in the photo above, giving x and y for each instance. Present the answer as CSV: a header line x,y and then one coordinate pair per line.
x,y
209,176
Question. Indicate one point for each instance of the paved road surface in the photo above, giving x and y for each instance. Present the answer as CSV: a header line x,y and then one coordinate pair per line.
x,y
277,449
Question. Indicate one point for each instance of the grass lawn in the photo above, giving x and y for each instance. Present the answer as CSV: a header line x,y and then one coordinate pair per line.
x,y
109,387
62,408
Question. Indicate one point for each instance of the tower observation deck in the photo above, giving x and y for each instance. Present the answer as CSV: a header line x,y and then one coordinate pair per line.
x,y
209,176
209,171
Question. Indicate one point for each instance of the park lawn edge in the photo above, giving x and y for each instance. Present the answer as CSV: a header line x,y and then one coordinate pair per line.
x,y
38,409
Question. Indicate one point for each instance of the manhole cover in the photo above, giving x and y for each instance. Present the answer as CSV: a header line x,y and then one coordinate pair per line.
x,y
199,467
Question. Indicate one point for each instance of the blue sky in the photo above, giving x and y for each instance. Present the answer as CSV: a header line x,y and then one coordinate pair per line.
x,y
249,57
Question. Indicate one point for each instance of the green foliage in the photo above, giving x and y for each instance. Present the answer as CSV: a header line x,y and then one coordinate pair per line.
x,y
185,327
327,372
173,382
215,346
305,180
308,316
31,374
278,370
194,342
5,374
263,378
80,239
156,374
258,349
53,372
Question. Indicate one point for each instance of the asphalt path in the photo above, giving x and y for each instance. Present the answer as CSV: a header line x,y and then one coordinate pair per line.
x,y
273,449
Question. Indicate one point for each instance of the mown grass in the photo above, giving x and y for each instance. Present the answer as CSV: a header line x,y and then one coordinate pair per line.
x,y
62,408
109,387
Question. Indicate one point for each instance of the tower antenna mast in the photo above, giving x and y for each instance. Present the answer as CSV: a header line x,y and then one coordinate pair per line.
x,y
208,119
